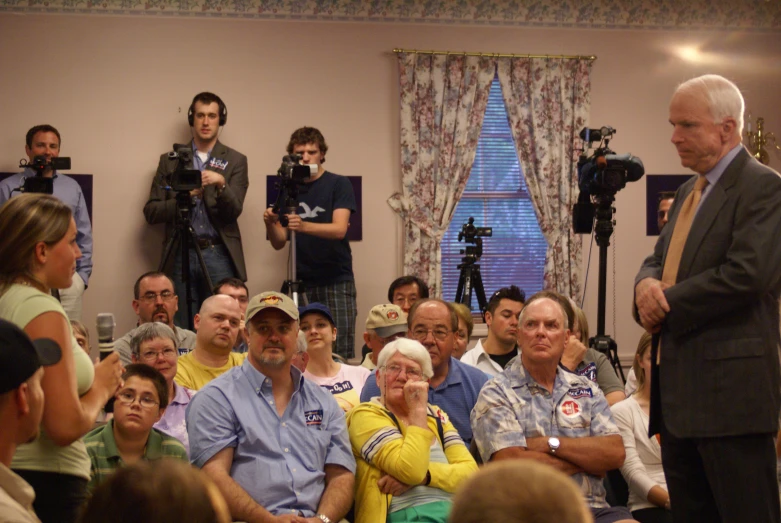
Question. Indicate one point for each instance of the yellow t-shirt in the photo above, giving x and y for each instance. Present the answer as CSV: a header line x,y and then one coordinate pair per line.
x,y
194,375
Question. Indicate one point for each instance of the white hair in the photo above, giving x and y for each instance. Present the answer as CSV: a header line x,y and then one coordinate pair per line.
x,y
411,349
723,97
301,344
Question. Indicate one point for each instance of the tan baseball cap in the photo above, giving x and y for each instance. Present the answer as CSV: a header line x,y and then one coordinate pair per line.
x,y
272,300
386,320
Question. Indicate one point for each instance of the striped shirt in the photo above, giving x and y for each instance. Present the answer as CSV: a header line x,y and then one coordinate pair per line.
x,y
105,458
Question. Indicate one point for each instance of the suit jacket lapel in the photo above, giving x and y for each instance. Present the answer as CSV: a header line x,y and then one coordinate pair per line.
x,y
709,211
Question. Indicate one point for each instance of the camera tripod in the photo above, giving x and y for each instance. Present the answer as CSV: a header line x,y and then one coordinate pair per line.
x,y
184,234
470,278
603,231
287,203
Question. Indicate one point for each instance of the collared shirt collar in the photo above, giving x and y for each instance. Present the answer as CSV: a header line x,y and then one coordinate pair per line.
x,y
714,174
454,374
180,396
29,173
519,376
154,443
259,381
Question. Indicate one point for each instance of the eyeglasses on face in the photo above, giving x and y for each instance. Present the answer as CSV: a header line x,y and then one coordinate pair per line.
x,y
126,397
394,369
151,297
152,355
439,333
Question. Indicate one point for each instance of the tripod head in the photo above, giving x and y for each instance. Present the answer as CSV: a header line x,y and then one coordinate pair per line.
x,y
291,176
39,183
474,235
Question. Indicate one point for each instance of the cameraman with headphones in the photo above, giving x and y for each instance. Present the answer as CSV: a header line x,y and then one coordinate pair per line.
x,y
216,206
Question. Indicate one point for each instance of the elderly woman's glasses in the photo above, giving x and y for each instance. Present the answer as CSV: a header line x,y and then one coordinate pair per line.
x,y
395,370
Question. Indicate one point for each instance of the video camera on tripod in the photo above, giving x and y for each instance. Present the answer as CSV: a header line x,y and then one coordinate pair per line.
x,y
470,276
184,179
601,176
292,174
39,183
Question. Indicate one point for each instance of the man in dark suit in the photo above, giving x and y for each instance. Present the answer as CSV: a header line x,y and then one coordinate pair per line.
x,y
215,207
710,293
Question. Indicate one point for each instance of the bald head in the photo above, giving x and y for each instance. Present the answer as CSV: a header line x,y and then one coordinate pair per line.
x,y
217,323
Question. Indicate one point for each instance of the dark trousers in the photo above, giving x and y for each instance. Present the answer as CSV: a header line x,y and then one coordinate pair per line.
x,y
58,497
218,263
653,515
730,479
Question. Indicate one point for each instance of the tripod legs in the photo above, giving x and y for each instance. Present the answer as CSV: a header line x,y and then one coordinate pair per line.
x,y
470,278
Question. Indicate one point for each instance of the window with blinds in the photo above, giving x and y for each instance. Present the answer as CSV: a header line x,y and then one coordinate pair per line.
x,y
496,196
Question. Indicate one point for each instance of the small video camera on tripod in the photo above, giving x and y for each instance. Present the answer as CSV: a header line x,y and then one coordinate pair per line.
x,y
470,276
39,183
183,178
292,174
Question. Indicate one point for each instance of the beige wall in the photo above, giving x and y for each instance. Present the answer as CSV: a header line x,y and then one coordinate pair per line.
x,y
118,89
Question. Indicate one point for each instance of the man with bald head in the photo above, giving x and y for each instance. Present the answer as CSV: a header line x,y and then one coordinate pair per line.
x,y
216,326
710,291
455,386
537,410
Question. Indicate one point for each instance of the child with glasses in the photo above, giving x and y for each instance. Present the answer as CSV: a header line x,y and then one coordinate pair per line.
x,y
130,437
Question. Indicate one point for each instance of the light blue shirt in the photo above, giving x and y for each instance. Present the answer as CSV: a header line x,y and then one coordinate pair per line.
x,y
456,395
279,461
199,218
714,175
69,192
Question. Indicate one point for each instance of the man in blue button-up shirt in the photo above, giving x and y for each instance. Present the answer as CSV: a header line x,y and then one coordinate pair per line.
x,y
274,443
44,140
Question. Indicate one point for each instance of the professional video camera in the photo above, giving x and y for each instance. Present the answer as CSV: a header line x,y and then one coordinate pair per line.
x,y
601,176
470,277
38,183
292,174
184,179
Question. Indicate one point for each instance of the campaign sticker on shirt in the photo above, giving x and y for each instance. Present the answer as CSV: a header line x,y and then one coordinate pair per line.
x,y
338,388
580,392
183,351
589,371
216,163
314,417
570,408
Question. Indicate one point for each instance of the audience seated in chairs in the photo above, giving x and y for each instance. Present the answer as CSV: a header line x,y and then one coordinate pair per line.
x,y
217,326
285,453
164,491
344,381
410,458
642,469
129,437
406,290
519,491
536,410
385,323
154,344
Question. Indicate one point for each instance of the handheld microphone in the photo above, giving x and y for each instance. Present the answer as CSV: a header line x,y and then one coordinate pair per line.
x,y
105,326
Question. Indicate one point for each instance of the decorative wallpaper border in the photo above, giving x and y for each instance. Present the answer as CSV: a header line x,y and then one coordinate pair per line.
x,y
746,15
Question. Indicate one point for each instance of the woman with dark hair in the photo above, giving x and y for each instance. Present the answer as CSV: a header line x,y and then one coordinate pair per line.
x,y
39,252
642,469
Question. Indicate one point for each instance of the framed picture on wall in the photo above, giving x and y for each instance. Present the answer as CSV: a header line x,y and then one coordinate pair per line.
x,y
655,184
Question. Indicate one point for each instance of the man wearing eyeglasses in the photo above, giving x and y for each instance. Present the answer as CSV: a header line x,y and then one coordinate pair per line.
x,y
130,437
154,344
154,300
274,443
455,386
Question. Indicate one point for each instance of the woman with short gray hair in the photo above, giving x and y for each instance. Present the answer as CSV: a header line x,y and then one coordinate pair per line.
x,y
410,458
155,344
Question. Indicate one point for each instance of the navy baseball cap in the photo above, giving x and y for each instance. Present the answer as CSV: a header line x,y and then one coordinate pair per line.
x,y
20,357
318,308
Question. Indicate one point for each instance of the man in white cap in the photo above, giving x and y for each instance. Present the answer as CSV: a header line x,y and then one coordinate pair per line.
x,y
21,409
385,323
264,416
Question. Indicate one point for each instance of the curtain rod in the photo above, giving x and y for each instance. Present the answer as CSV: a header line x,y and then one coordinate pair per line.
x,y
495,55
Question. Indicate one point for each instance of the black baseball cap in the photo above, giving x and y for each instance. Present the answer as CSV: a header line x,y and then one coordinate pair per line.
x,y
20,357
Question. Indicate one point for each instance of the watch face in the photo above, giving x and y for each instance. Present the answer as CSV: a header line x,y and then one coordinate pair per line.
x,y
554,442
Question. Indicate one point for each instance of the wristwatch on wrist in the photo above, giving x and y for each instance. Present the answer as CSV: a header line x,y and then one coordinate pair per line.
x,y
324,518
553,444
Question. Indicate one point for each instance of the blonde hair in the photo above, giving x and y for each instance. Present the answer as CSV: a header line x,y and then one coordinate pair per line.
x,y
642,346
582,325
519,491
463,313
25,221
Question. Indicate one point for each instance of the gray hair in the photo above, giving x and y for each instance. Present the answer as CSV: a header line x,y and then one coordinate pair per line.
x,y
723,97
411,349
545,295
301,344
148,332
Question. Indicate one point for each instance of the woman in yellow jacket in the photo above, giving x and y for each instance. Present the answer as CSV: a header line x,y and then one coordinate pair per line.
x,y
410,457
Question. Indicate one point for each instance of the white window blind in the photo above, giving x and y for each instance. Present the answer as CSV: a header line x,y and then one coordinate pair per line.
x,y
496,196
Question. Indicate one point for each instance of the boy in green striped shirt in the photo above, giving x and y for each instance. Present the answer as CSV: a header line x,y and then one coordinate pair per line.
x,y
129,437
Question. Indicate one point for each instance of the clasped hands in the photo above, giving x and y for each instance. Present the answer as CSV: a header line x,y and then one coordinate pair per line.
x,y
652,306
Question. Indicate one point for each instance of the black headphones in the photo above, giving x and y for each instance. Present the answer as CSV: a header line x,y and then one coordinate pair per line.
x,y
213,98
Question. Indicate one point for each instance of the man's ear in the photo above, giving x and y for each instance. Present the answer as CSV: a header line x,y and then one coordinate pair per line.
x,y
196,321
366,338
20,397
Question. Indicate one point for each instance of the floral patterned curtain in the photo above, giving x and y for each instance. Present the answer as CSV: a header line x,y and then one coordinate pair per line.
x,y
443,100
548,102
